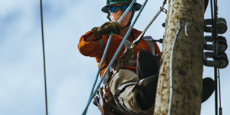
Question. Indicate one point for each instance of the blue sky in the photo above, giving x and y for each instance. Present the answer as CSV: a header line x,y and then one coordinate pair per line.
x,y
69,74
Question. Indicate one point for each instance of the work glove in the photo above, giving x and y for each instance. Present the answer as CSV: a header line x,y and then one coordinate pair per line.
x,y
105,100
106,28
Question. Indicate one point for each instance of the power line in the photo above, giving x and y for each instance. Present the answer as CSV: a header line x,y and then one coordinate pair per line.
x,y
44,62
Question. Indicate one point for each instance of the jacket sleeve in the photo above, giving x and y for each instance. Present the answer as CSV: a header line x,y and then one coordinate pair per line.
x,y
88,48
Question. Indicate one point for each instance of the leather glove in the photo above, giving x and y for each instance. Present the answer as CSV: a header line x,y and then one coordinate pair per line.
x,y
104,106
106,28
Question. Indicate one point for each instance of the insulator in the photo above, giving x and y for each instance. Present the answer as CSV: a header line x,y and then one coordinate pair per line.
x,y
220,61
221,25
221,38
208,88
221,43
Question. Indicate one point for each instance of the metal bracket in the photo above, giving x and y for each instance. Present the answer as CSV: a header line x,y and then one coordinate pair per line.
x,y
160,40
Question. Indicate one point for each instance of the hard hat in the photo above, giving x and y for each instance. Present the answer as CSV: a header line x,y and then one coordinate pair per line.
x,y
136,6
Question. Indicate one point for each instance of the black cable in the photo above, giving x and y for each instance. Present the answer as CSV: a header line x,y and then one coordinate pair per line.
x,y
220,108
217,69
215,53
44,62
211,11
214,34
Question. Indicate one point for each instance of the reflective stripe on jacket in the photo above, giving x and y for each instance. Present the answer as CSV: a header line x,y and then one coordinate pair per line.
x,y
96,48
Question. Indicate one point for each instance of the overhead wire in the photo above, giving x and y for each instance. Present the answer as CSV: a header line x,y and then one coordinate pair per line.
x,y
217,69
44,62
214,35
220,108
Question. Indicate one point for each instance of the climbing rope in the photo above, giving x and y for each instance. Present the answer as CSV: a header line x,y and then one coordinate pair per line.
x,y
44,62
171,76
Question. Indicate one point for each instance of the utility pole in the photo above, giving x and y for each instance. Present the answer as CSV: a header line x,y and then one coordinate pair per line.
x,y
187,60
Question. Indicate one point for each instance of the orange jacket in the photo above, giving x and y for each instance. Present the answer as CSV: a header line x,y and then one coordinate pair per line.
x,y
92,48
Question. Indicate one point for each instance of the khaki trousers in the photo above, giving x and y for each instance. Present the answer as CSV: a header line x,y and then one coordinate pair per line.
x,y
128,96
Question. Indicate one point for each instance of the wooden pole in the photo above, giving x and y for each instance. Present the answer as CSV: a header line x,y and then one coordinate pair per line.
x,y
187,60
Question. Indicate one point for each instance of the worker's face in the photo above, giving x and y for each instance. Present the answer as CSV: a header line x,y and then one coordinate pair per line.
x,y
115,16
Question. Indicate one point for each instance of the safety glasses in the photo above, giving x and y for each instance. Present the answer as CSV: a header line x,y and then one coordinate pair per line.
x,y
116,8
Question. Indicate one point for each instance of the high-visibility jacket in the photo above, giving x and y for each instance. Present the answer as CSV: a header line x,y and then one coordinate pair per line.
x,y
96,48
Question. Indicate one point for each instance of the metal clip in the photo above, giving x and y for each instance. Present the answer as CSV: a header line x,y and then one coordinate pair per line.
x,y
163,10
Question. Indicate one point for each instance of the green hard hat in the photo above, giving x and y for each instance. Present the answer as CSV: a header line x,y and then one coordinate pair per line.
x,y
136,6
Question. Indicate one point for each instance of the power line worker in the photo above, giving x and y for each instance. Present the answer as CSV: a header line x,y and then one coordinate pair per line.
x,y
123,92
